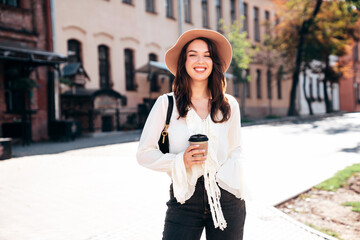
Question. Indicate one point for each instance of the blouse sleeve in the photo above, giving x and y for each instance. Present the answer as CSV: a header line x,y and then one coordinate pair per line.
x,y
231,175
148,153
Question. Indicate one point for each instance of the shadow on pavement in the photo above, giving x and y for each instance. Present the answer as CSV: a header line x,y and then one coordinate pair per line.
x,y
352,150
40,148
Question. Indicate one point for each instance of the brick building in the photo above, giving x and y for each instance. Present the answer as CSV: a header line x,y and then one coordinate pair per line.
x,y
350,83
27,66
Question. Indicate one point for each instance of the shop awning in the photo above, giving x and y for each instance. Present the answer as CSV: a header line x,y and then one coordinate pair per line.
x,y
16,52
154,67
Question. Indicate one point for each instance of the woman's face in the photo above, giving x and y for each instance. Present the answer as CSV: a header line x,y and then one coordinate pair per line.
x,y
198,63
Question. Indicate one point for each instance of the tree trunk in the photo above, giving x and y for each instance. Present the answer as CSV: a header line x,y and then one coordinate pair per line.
x,y
292,111
328,104
308,100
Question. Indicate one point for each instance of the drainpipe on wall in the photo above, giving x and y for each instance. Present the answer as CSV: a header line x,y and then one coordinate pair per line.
x,y
180,18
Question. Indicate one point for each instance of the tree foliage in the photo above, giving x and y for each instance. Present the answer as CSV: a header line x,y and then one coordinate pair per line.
x,y
330,32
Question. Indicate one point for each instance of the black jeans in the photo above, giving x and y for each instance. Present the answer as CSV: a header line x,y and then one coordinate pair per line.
x,y
187,221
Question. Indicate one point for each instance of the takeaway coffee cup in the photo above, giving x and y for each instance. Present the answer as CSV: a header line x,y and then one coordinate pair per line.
x,y
202,140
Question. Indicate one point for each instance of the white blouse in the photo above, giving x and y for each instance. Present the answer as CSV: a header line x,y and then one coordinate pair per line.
x,y
225,159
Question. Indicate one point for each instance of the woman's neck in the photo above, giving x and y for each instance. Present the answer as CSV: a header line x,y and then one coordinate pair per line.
x,y
199,91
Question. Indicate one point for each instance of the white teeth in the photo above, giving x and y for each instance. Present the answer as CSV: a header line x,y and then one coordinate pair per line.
x,y
199,69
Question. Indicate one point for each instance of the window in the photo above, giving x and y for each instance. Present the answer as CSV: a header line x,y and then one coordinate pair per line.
x,y
15,100
232,10
205,14
74,51
269,88
187,11
247,85
150,6
170,8
267,18
13,3
154,82
127,1
129,70
278,82
258,83
277,20
236,88
218,14
104,67
246,18
256,24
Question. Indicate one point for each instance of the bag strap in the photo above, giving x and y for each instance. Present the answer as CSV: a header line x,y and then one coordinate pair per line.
x,y
168,117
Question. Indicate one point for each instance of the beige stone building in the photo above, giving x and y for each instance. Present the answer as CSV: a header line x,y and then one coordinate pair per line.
x,y
114,38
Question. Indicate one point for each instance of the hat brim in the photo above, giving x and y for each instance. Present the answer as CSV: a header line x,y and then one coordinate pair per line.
x,y
222,45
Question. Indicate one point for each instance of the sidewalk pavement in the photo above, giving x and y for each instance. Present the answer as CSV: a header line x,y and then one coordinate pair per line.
x,y
263,220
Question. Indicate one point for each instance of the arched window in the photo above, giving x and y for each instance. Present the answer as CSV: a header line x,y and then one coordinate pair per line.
x,y
258,83
154,82
279,81
104,67
74,51
129,70
269,88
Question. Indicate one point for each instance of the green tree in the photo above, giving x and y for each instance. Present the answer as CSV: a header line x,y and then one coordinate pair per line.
x,y
314,31
297,18
243,53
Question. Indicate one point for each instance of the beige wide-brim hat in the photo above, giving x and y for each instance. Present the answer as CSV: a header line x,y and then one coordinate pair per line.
x,y
223,47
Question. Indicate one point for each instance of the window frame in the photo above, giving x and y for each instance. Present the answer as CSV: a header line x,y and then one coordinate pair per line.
x,y
268,83
104,63
130,84
279,83
205,13
218,5
246,17
130,2
187,11
258,84
257,24
7,3
78,52
150,6
232,11
169,7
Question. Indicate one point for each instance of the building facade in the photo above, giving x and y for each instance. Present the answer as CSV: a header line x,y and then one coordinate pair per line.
x,y
27,66
114,39
311,90
350,82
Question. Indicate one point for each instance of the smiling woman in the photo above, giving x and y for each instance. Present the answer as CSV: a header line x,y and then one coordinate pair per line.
x,y
207,188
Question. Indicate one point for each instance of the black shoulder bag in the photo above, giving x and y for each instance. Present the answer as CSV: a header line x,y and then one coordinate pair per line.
x,y
164,139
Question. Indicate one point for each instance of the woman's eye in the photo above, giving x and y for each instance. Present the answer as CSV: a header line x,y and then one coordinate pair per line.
x,y
191,55
208,56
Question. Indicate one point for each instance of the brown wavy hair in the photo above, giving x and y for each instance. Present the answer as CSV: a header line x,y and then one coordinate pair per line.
x,y
216,85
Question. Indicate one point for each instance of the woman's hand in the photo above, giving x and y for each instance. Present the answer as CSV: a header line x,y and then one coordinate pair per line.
x,y
189,160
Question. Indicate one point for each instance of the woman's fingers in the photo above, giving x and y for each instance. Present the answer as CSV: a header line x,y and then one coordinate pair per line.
x,y
191,147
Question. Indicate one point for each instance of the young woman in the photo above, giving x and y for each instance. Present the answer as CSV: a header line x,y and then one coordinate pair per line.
x,y
207,191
